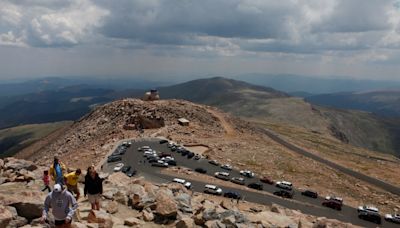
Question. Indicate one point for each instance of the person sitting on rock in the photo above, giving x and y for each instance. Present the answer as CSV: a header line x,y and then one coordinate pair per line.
x,y
93,187
63,206
71,179
57,170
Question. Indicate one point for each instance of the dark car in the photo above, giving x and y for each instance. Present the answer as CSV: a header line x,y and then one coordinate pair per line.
x,y
152,159
232,195
310,193
173,148
333,202
267,180
184,152
163,141
213,162
190,155
126,168
114,159
284,193
163,154
369,216
238,180
171,162
200,170
257,186
131,173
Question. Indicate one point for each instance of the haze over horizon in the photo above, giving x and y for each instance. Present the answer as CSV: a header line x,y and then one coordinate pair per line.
x,y
186,40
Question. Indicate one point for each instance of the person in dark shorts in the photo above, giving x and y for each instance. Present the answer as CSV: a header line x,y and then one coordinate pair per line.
x,y
71,179
63,205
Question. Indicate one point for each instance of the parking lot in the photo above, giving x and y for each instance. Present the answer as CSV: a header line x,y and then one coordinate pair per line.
x,y
307,205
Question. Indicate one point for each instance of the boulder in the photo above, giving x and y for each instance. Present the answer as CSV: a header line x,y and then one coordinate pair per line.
x,y
277,209
121,197
184,202
273,218
166,207
185,223
78,225
214,224
100,217
147,215
133,222
29,204
111,207
18,164
5,216
1,164
118,179
18,222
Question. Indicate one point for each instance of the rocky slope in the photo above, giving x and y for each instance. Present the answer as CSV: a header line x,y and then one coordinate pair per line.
x,y
228,139
134,202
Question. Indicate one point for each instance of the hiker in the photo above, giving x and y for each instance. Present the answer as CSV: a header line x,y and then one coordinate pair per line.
x,y
63,205
93,187
71,179
56,171
46,181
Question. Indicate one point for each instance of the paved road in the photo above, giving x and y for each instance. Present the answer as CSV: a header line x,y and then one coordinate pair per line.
x,y
304,204
373,181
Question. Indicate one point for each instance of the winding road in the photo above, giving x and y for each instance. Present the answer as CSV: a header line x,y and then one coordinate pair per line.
x,y
304,204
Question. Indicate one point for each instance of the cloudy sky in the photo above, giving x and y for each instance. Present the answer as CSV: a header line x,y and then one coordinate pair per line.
x,y
193,38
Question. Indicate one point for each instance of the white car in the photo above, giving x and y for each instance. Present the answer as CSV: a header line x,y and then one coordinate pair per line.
x,y
227,167
395,218
366,208
149,153
118,167
284,185
247,173
212,189
185,183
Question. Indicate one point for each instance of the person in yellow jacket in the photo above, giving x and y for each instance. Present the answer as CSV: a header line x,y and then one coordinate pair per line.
x,y
57,170
71,180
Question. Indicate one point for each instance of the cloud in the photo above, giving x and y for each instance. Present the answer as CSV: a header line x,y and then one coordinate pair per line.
x,y
49,23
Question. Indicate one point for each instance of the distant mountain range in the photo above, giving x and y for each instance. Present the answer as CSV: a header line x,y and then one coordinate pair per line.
x,y
256,103
383,103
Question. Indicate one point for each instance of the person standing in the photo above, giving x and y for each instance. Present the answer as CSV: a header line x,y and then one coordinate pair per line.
x,y
93,188
63,205
57,169
71,179
46,181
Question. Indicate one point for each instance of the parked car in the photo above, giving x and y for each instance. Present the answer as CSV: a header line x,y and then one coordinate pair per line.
x,y
257,186
284,185
171,162
284,193
118,167
233,195
267,180
163,154
200,170
160,163
184,152
143,148
333,202
370,216
113,159
212,189
309,193
163,141
226,166
131,173
247,173
213,162
367,208
395,218
190,155
238,180
126,168
152,159
197,157
222,175
185,183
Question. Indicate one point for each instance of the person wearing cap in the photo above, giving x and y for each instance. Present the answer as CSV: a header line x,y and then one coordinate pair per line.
x,y
63,205
56,171
71,179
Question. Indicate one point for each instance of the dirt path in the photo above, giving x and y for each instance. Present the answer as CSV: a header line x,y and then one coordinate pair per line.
x,y
230,131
